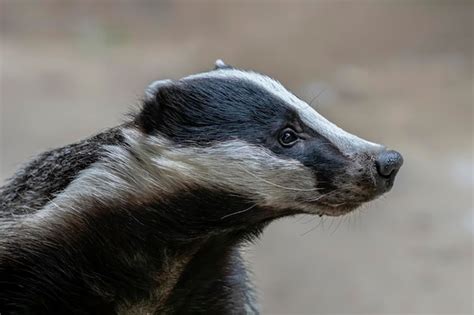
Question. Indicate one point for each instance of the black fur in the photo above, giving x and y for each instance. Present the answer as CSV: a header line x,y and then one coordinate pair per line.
x,y
176,253
92,269
202,111
26,191
109,256
205,111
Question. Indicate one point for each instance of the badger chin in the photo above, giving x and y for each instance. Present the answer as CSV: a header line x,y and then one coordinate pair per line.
x,y
336,210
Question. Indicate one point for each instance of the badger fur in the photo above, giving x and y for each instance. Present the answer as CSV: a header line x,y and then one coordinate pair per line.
x,y
148,217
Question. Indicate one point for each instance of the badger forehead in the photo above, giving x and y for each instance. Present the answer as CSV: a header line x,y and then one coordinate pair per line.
x,y
346,142
263,82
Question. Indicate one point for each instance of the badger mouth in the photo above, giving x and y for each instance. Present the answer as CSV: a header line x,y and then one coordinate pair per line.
x,y
340,199
330,205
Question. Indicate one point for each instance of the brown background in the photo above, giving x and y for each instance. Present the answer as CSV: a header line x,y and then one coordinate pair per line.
x,y
395,72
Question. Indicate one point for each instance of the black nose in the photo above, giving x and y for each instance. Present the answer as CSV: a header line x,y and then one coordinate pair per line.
x,y
388,163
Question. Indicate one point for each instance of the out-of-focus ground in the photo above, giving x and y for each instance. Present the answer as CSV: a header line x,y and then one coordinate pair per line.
x,y
395,72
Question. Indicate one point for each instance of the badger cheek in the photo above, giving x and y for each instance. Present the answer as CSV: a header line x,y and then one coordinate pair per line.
x,y
338,191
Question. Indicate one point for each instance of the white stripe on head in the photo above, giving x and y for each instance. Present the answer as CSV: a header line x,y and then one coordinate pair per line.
x,y
346,142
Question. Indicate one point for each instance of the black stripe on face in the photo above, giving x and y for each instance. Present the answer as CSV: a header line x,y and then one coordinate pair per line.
x,y
204,111
207,110
320,155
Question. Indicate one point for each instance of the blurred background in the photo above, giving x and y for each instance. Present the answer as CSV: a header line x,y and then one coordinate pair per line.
x,y
395,72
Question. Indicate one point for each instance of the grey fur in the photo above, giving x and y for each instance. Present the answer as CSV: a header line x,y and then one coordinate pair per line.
x,y
42,178
136,223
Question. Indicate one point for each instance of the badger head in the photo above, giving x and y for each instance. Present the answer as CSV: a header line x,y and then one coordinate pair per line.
x,y
242,133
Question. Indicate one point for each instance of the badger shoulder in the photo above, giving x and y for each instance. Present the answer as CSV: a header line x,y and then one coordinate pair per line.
x,y
49,173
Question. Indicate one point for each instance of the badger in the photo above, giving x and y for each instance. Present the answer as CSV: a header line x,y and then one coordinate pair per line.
x,y
149,217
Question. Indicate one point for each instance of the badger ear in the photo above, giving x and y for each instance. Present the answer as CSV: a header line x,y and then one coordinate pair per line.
x,y
219,64
153,105
152,90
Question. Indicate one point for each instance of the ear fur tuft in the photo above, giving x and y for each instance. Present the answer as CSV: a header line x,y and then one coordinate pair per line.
x,y
152,105
152,89
219,64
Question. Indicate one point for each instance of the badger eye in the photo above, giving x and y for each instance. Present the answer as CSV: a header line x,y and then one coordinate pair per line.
x,y
288,137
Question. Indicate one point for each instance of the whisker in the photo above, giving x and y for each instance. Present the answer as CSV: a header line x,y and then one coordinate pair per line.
x,y
337,226
326,194
321,223
310,219
238,212
316,97
300,218
276,185
331,224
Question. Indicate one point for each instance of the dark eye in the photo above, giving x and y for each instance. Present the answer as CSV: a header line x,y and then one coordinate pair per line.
x,y
288,137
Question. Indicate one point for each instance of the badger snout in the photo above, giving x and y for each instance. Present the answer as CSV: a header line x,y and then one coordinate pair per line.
x,y
363,177
387,163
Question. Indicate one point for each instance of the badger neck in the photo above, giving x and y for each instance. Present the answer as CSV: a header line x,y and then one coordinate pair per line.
x,y
192,243
124,240
147,256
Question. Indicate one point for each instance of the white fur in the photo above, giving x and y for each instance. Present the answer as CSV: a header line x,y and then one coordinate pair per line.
x,y
346,142
164,169
220,63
